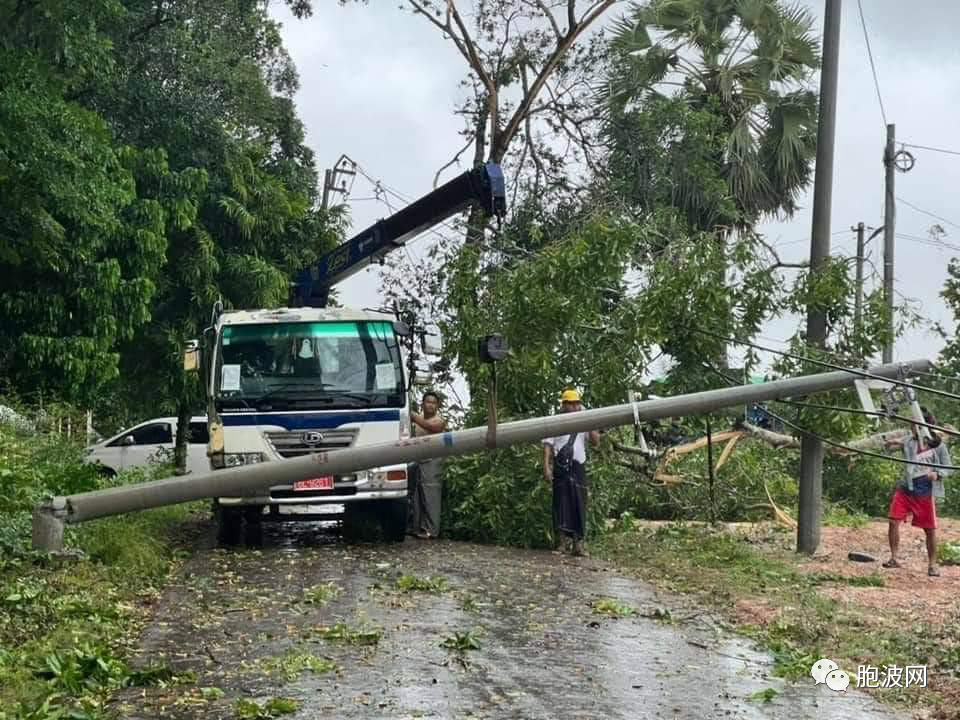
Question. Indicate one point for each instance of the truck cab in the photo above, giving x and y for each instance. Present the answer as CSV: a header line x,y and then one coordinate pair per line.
x,y
297,381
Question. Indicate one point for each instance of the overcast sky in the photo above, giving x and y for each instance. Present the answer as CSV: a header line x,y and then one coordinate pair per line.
x,y
380,85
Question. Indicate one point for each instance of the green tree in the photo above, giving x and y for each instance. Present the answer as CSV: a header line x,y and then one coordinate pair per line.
x,y
747,63
950,355
213,86
80,244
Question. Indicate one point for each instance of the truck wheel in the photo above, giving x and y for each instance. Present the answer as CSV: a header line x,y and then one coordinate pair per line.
x,y
393,520
253,529
228,525
359,523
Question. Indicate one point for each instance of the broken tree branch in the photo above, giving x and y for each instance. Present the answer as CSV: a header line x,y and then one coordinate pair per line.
x,y
502,140
455,159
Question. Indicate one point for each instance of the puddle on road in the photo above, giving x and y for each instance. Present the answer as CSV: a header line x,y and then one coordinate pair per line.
x,y
544,652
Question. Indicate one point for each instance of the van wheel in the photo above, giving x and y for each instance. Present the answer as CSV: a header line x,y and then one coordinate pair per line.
x,y
228,525
393,520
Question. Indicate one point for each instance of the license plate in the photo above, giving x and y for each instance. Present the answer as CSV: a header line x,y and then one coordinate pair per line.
x,y
324,482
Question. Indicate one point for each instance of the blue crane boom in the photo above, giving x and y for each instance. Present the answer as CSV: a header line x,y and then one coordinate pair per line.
x,y
484,186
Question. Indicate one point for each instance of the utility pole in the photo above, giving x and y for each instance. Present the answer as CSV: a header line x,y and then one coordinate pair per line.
x,y
343,166
889,227
327,187
50,516
811,449
858,298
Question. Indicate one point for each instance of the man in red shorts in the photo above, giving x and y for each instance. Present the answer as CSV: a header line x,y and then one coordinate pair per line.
x,y
915,491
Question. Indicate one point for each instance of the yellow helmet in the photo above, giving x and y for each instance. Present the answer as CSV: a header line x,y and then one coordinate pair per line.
x,y
570,396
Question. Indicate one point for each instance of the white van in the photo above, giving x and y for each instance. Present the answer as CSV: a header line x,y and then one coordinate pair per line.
x,y
151,441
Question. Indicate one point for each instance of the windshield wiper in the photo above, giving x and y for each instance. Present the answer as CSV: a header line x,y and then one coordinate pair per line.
x,y
279,391
366,399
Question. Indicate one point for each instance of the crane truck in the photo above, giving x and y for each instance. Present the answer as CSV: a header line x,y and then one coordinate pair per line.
x,y
308,379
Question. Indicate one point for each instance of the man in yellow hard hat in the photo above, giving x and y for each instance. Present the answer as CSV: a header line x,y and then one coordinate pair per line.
x,y
564,466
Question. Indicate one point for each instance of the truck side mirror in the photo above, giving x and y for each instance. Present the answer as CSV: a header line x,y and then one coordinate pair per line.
x,y
191,356
432,342
422,374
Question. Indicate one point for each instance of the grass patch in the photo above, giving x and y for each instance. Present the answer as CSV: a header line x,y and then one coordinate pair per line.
x,y
874,579
321,594
801,624
67,626
343,633
612,607
837,515
245,709
290,665
430,584
461,642
766,695
948,553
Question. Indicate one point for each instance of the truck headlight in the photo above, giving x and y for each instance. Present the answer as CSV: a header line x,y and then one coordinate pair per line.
x,y
237,459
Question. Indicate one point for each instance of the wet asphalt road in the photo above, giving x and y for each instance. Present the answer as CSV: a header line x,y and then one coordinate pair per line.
x,y
544,650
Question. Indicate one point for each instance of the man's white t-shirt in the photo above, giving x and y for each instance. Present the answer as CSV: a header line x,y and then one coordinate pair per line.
x,y
579,446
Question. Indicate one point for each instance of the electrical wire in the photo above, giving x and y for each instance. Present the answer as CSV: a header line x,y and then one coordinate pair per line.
x,y
873,67
832,366
926,212
933,149
871,413
833,443
938,376
929,241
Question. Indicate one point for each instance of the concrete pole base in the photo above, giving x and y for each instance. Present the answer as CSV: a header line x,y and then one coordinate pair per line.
x,y
47,529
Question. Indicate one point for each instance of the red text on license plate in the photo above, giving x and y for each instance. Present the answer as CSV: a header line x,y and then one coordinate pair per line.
x,y
324,482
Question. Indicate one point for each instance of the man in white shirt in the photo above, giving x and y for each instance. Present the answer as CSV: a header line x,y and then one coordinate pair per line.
x,y
428,492
564,466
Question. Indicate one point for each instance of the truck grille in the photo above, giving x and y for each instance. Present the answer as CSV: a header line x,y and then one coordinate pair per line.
x,y
297,443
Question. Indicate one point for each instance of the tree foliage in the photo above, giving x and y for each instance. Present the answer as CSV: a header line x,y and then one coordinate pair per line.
x,y
151,162
747,64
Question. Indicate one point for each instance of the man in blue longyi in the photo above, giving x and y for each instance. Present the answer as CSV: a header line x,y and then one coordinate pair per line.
x,y
564,465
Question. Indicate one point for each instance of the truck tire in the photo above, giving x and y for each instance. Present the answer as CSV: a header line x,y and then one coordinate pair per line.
x,y
253,526
393,520
228,525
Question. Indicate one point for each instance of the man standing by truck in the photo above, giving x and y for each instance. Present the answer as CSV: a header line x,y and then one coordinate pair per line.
x,y
564,465
428,491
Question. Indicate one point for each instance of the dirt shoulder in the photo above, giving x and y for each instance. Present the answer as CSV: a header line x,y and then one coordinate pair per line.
x,y
931,600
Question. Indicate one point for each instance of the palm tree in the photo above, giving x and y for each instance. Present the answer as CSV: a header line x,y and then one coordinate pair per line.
x,y
745,66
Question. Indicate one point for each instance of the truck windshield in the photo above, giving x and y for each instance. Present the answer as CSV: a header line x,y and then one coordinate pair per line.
x,y
327,364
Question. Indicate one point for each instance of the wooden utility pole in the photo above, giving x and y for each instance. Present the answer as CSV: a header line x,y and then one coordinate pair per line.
x,y
889,228
811,449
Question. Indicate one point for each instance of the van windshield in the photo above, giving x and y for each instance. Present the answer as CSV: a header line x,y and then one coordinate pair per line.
x,y
326,364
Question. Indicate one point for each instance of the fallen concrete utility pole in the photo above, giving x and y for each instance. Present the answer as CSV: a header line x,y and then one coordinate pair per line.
x,y
48,519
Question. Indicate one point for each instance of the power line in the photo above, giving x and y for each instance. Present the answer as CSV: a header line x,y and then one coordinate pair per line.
x,y
933,149
834,443
876,82
781,243
938,376
929,241
823,363
871,413
927,212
